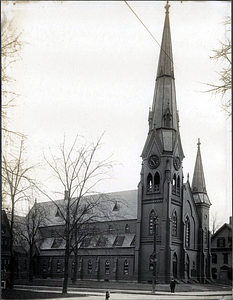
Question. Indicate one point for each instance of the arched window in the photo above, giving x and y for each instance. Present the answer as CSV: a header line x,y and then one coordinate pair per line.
x,y
127,228
206,234
174,265
58,266
174,184
174,224
151,262
151,221
89,267
149,183
44,266
126,268
73,266
178,186
107,267
157,182
187,233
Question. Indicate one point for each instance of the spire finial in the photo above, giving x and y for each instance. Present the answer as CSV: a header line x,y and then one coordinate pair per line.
x,y
167,7
199,143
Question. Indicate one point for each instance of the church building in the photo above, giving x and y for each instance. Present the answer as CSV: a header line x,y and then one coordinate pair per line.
x,y
160,230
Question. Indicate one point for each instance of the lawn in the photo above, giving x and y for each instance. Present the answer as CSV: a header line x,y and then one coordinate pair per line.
x,y
19,294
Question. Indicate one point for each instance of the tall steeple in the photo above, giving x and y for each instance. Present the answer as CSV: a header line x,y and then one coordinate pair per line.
x,y
198,183
163,117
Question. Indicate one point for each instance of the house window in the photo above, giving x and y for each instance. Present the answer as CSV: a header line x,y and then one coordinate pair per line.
x,y
127,230
149,183
214,258
102,241
221,242
58,266
157,182
187,233
107,267
126,268
89,267
225,258
174,224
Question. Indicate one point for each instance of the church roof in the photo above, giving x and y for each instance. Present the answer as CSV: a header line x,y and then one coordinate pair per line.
x,y
198,183
113,207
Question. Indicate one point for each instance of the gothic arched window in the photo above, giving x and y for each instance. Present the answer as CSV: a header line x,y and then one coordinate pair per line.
x,y
107,267
149,183
126,267
89,267
187,233
174,224
174,184
178,186
156,182
151,221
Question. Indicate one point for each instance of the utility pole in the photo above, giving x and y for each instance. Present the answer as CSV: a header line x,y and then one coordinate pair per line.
x,y
154,255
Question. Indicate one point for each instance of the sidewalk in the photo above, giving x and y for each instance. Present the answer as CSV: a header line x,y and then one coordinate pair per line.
x,y
125,287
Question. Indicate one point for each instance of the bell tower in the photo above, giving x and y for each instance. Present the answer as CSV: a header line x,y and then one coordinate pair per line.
x,y
159,228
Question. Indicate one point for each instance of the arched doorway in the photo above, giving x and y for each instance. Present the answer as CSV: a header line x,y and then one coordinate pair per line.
x,y
174,265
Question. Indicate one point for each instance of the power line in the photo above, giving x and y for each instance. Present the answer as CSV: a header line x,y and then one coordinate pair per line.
x,y
148,31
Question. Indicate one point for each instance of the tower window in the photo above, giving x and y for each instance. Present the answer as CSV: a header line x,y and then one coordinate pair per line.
x,y
221,242
152,218
214,258
174,184
174,224
178,186
157,182
149,183
225,258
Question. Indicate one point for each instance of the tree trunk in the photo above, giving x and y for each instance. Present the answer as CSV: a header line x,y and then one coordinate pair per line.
x,y
12,260
74,278
66,272
30,264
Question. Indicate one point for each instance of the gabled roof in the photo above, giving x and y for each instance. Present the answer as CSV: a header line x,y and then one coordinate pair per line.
x,y
226,225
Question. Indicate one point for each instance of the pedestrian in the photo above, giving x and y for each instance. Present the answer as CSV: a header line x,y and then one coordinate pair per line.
x,y
172,285
107,295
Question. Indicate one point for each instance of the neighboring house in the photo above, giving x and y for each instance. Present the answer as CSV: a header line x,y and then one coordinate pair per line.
x,y
221,250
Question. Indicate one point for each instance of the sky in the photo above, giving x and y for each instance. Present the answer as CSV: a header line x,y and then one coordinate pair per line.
x,y
88,67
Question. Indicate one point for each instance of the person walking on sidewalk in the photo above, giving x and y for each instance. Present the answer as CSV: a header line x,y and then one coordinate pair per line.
x,y
172,285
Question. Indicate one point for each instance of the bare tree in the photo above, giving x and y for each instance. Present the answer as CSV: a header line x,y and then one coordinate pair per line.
x,y
27,231
11,45
16,179
214,222
223,54
79,172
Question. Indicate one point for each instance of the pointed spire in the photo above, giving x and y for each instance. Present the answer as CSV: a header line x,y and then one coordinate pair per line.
x,y
165,66
198,183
